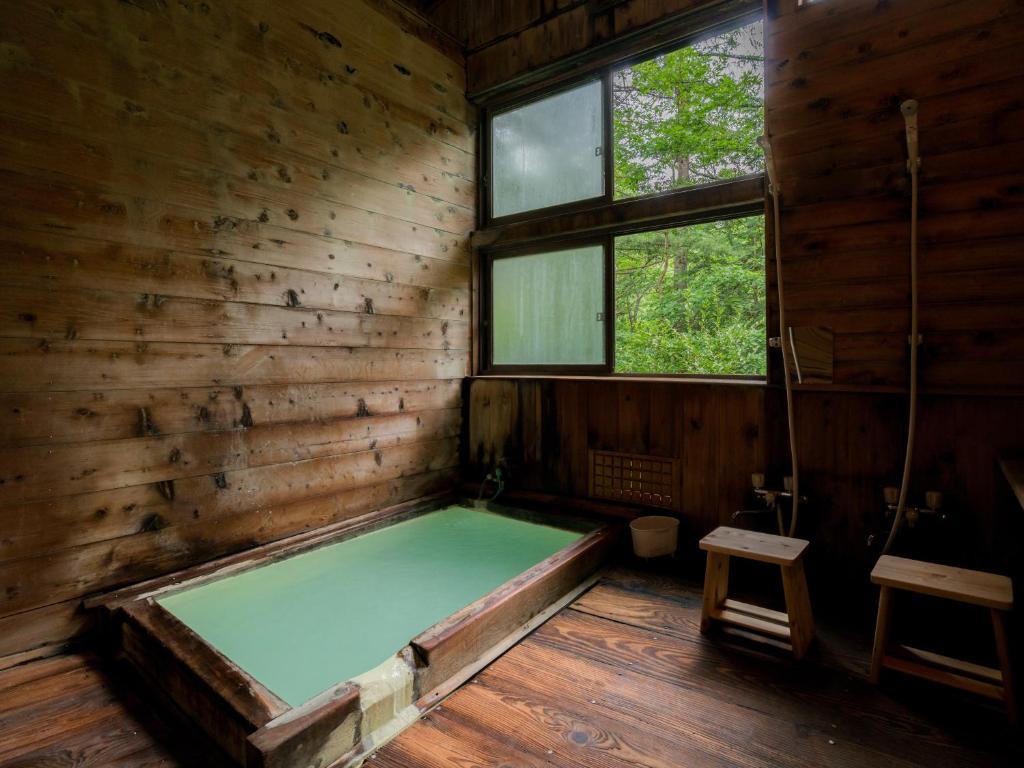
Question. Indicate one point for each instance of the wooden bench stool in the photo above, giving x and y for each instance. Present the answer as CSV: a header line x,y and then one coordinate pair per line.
x,y
974,587
796,626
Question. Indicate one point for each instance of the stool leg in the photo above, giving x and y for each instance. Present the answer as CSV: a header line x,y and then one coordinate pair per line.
x,y
716,587
1003,649
798,606
881,634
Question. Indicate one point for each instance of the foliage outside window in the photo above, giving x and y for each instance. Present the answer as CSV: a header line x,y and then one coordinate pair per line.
x,y
692,299
690,116
688,299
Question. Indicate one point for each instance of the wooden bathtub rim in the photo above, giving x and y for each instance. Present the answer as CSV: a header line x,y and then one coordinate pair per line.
x,y
219,697
554,516
297,736
432,698
243,693
592,509
439,650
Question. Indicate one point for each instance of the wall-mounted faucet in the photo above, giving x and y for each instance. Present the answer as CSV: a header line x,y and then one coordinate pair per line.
x,y
772,497
911,515
498,476
932,505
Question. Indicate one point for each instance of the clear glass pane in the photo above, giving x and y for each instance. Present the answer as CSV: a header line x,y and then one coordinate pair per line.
x,y
548,152
691,116
548,308
692,299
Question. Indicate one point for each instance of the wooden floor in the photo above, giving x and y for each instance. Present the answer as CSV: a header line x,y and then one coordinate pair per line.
x,y
621,678
71,712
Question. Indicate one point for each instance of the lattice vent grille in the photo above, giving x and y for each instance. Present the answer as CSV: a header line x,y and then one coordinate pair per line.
x,y
634,478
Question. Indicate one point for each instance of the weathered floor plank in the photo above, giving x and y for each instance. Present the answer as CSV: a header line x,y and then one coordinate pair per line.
x,y
72,711
623,678
620,678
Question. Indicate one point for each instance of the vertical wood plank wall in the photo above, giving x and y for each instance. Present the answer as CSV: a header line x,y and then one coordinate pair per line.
x,y
233,253
837,72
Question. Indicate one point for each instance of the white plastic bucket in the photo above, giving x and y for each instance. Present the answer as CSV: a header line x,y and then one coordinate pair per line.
x,y
654,535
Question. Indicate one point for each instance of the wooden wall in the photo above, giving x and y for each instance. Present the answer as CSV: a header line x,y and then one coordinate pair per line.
x,y
545,429
233,254
837,71
506,38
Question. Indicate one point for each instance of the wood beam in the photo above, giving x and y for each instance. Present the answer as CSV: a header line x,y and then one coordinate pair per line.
x,y
725,199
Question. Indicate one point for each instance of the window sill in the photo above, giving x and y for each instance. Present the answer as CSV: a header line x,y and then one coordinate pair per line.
x,y
619,378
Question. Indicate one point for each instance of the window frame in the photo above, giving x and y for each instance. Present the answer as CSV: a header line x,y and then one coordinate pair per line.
x,y
602,218
488,257
487,156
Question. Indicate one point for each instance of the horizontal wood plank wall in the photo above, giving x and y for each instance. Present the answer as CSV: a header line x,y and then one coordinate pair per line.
x,y
545,428
851,446
837,72
233,253
449,16
506,38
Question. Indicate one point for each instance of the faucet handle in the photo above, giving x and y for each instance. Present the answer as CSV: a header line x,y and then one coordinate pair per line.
x,y
891,494
933,499
757,479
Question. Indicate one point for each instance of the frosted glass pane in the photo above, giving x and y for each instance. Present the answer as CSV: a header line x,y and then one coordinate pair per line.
x,y
548,152
546,308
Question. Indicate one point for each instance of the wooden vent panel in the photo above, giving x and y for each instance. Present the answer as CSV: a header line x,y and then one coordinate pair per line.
x,y
634,478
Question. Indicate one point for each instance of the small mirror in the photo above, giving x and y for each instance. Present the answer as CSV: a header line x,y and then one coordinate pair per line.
x,y
810,351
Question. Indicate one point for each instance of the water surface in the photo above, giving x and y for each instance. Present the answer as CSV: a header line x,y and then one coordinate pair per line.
x,y
303,624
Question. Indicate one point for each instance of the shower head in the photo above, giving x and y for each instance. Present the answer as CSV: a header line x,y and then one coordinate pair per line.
x,y
769,161
909,110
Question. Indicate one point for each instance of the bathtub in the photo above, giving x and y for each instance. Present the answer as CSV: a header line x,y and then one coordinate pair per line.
x,y
317,650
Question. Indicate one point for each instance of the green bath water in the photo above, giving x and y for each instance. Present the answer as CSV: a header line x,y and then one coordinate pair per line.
x,y
301,625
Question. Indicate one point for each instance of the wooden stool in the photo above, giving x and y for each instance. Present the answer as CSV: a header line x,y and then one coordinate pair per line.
x,y
974,587
796,626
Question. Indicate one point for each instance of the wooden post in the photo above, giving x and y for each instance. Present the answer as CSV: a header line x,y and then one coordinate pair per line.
x,y
716,588
881,634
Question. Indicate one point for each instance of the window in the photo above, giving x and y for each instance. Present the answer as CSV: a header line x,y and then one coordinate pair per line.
x,y
646,260
549,152
536,295
692,299
690,116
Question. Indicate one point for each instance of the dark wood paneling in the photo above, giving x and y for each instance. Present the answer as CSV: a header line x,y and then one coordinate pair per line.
x,y
511,41
836,76
851,446
715,431
234,256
